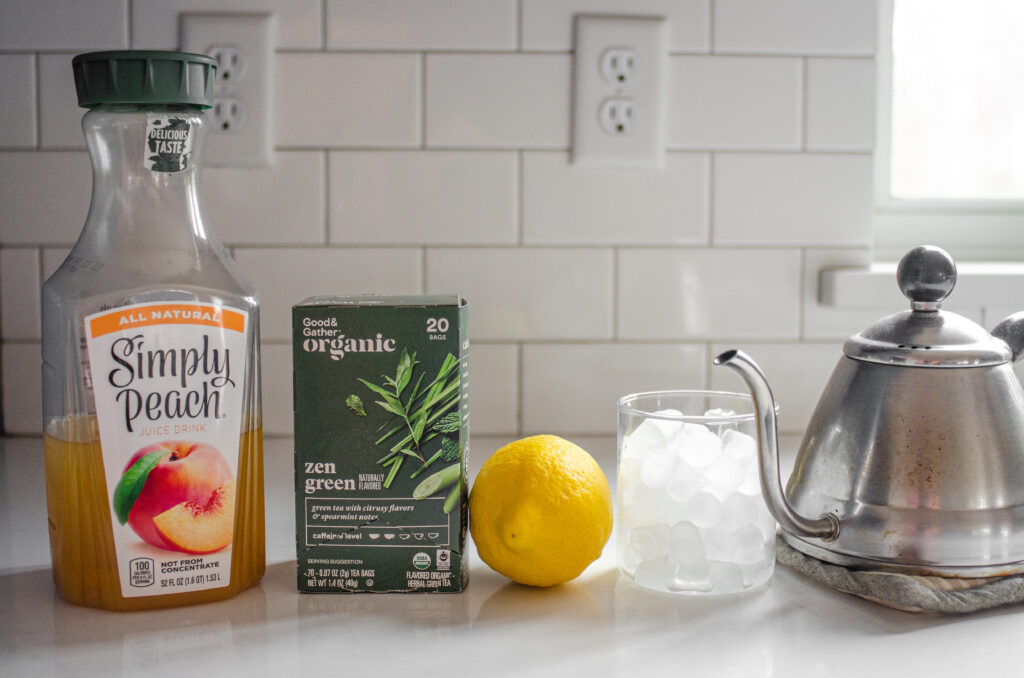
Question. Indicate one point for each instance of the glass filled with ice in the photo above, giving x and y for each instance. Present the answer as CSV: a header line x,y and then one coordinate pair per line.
x,y
690,515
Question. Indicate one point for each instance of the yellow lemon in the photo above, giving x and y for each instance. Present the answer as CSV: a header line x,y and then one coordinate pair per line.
x,y
540,510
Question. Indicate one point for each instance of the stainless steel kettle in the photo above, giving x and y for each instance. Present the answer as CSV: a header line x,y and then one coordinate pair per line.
x,y
914,457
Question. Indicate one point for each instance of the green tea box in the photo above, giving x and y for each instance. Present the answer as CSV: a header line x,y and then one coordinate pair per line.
x,y
381,388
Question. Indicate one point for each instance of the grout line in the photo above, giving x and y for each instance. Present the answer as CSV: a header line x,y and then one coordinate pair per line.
x,y
39,101
423,270
519,26
647,342
615,293
520,202
511,246
323,25
802,307
327,197
711,200
520,399
423,100
128,18
41,278
711,27
803,104
543,149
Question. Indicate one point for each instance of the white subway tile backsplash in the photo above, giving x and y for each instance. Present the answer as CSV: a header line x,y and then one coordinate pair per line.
x,y
548,24
792,199
498,100
22,388
573,388
60,118
563,204
528,293
821,321
797,373
285,277
429,197
494,388
45,196
19,293
840,104
732,102
276,368
63,24
155,22
709,294
282,204
53,257
422,146
18,97
414,24
363,100
832,27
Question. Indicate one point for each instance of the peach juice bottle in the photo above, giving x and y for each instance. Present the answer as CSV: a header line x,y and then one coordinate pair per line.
x,y
151,398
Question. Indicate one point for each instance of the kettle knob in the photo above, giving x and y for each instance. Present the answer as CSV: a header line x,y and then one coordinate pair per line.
x,y
926,275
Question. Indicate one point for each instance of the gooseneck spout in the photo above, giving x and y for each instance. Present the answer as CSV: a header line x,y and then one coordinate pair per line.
x,y
825,527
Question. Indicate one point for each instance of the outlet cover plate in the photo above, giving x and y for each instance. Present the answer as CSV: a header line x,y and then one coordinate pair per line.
x,y
641,143
250,36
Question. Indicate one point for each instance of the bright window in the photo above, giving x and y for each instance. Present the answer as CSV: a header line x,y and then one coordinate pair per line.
x,y
950,151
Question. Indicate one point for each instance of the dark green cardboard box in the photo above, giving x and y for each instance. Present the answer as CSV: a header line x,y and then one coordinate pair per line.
x,y
381,396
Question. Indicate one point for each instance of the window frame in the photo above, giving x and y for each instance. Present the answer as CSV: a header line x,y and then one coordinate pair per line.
x,y
983,230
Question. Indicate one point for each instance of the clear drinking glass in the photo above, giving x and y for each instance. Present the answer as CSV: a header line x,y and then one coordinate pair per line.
x,y
690,514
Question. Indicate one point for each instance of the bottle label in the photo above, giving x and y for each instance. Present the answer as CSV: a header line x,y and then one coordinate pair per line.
x,y
168,379
168,143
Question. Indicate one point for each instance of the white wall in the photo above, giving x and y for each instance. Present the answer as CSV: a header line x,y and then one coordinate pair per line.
x,y
422,146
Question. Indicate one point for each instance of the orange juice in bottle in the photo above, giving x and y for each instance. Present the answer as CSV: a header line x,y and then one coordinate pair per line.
x,y
151,398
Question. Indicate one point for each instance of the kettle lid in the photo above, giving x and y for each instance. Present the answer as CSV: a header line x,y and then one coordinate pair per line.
x,y
927,336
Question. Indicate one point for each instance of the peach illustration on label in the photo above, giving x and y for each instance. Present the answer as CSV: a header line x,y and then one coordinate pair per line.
x,y
188,486
193,528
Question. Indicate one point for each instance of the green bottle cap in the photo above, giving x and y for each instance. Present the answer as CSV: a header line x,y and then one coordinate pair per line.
x,y
143,77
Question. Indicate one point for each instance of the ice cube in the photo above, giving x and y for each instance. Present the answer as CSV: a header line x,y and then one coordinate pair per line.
x,y
697,445
647,505
657,574
738,445
740,509
668,427
685,482
766,523
650,542
644,437
719,413
686,550
725,473
704,509
725,577
656,467
759,572
751,484
751,545
719,543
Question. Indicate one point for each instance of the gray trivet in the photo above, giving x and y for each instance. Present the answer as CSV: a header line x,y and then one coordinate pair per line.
x,y
908,592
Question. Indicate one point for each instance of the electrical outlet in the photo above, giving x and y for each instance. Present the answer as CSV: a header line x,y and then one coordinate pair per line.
x,y
228,116
619,73
241,120
616,117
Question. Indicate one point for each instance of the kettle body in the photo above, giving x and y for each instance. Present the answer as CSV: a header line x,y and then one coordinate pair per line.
x,y
924,469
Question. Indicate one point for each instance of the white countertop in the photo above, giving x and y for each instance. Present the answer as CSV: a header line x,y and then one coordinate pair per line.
x,y
596,625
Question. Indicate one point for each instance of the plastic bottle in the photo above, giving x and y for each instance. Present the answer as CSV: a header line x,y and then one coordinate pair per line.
x,y
151,392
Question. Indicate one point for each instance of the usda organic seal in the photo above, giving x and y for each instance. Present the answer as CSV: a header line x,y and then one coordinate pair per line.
x,y
421,561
